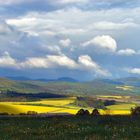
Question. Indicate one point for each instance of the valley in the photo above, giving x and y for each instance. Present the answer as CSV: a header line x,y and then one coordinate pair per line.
x,y
110,97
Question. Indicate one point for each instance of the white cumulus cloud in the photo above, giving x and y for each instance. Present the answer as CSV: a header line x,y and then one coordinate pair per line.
x,y
127,52
7,61
104,42
50,61
133,70
107,25
85,62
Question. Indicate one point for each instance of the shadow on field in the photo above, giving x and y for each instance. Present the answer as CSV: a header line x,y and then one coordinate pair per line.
x,y
9,109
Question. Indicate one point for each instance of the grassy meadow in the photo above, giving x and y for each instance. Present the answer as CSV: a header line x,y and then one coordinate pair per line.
x,y
70,128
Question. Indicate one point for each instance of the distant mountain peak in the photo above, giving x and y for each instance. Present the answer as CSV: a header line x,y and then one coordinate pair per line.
x,y
67,79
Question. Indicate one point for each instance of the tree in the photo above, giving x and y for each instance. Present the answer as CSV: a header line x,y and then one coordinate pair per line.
x,y
109,102
135,111
82,112
95,112
87,112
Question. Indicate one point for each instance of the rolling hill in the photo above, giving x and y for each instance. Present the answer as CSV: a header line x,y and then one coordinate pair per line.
x,y
61,79
95,87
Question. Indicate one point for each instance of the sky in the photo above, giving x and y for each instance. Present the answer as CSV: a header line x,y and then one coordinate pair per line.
x,y
81,39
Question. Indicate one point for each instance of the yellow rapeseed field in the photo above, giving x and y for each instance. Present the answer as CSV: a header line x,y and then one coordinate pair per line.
x,y
56,102
121,106
110,96
61,105
130,88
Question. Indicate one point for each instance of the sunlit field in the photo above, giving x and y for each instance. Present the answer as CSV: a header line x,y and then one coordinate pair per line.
x,y
113,96
122,106
109,96
60,105
43,106
129,88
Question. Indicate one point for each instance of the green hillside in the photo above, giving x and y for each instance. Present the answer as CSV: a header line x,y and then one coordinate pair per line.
x,y
95,87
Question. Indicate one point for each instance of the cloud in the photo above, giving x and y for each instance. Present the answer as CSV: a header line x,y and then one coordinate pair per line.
x,y
127,52
84,22
65,43
84,63
65,2
4,28
106,43
133,70
85,3
50,61
57,31
103,42
54,2
107,25
7,61
52,49
9,2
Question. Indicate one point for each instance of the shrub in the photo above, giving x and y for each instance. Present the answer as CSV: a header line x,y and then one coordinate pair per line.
x,y
95,112
87,112
109,102
135,111
31,113
22,114
4,113
83,112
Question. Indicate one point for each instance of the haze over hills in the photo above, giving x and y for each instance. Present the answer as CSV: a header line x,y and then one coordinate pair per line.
x,y
61,79
132,81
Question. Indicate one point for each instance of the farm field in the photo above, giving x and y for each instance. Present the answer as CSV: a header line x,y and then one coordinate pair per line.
x,y
125,87
70,128
120,109
60,105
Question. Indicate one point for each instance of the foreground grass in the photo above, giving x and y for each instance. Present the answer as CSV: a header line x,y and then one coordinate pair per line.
x,y
70,128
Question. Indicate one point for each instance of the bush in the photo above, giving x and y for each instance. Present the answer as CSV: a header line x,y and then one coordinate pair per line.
x,y
135,111
109,102
4,113
95,112
22,114
87,112
31,113
83,112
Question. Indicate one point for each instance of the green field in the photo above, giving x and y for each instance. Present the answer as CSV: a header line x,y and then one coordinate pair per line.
x,y
95,87
70,128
